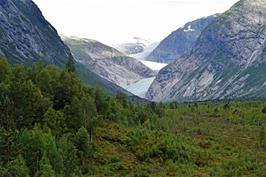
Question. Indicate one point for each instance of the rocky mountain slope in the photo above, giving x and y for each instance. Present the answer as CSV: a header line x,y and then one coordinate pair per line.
x,y
92,79
228,60
108,62
25,35
180,41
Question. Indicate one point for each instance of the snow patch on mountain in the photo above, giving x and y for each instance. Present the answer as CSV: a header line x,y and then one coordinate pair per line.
x,y
189,29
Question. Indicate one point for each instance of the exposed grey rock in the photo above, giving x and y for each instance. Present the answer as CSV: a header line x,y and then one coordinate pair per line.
x,y
108,87
1,53
25,35
108,62
228,60
180,42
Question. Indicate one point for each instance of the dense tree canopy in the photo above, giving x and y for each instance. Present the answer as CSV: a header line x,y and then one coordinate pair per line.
x,y
48,118
53,125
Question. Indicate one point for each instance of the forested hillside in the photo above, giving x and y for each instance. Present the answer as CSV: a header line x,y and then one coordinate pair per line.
x,y
52,125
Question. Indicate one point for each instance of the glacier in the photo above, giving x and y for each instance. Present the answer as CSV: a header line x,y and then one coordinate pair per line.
x,y
141,87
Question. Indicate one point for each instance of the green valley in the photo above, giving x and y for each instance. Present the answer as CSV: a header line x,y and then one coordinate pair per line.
x,y
53,125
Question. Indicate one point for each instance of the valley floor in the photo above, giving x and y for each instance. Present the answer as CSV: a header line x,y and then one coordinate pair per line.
x,y
190,140
52,125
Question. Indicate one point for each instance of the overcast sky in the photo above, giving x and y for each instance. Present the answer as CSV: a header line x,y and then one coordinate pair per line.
x,y
118,21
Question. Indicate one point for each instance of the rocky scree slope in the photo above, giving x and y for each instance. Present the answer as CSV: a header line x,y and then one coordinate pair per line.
x,y
108,62
228,60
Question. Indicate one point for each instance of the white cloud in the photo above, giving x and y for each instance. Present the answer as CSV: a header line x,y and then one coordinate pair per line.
x,y
117,21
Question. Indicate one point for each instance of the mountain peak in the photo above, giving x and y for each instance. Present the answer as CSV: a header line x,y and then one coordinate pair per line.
x,y
180,42
227,61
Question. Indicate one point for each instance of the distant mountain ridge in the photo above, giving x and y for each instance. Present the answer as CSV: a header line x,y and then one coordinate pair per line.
x,y
108,62
180,42
228,60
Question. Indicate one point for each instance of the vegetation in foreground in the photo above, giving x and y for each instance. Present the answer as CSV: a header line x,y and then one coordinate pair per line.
x,y
52,125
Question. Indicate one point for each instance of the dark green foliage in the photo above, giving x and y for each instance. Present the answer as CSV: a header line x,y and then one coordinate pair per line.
x,y
262,137
52,125
100,102
44,82
83,144
2,144
46,169
89,115
55,120
66,89
264,110
70,65
227,106
16,168
69,154
238,166
29,104
34,144
122,99
4,70
6,106
74,114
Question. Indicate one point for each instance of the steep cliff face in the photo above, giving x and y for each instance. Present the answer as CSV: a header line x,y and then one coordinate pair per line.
x,y
180,42
108,62
228,60
25,35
